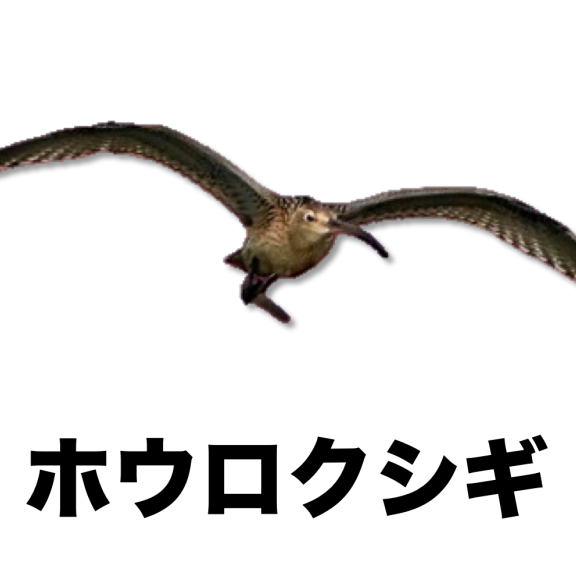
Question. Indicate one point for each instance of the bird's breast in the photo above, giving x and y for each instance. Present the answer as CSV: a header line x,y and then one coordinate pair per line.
x,y
277,254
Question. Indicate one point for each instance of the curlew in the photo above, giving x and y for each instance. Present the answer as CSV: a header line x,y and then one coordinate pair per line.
x,y
288,235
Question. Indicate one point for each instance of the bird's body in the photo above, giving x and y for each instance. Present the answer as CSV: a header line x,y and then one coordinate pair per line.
x,y
283,248
288,235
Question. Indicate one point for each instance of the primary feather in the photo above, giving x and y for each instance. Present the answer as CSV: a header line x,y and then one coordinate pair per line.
x,y
509,219
226,182
287,235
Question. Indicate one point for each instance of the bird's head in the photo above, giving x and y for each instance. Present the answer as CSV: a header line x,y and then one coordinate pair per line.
x,y
312,222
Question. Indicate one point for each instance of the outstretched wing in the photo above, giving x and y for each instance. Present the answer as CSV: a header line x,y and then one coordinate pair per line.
x,y
227,183
513,221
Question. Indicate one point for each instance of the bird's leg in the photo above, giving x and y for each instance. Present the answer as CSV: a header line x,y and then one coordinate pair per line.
x,y
253,291
249,288
264,303
265,284
254,284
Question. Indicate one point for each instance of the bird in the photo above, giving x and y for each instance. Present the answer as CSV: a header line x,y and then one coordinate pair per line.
x,y
288,235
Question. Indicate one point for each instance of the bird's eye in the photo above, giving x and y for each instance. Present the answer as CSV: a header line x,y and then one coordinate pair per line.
x,y
310,217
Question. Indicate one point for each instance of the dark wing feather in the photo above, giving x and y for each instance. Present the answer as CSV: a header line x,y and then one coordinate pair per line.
x,y
227,183
513,221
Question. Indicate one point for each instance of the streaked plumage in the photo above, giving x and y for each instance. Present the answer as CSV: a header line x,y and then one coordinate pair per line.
x,y
511,220
288,235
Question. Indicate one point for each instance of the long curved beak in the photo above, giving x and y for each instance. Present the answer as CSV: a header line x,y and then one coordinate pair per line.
x,y
352,230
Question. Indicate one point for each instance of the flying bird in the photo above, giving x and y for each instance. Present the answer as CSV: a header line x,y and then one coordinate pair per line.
x,y
288,235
